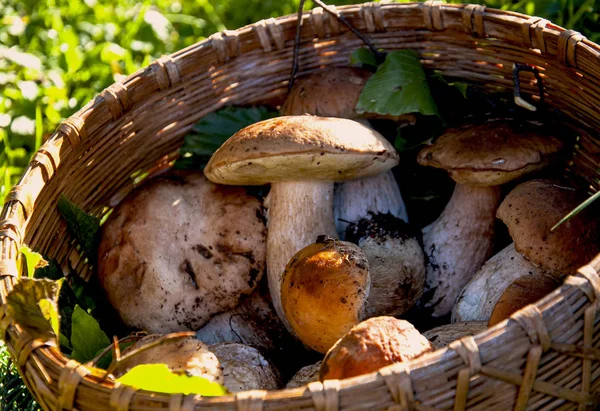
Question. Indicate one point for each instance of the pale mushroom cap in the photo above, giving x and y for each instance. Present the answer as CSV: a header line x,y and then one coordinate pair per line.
x,y
305,375
179,250
244,368
371,345
187,355
530,211
330,93
490,154
301,148
324,290
443,335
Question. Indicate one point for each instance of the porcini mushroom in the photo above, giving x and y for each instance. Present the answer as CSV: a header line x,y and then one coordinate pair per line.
x,y
334,93
179,250
305,375
396,262
479,158
181,355
529,211
301,156
244,368
371,345
443,335
324,291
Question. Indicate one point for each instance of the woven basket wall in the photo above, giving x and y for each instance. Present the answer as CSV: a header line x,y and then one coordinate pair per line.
x,y
545,357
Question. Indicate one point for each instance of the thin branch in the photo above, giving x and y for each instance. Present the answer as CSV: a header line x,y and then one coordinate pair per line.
x,y
296,45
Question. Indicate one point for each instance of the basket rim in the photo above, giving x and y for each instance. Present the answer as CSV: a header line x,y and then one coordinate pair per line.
x,y
398,379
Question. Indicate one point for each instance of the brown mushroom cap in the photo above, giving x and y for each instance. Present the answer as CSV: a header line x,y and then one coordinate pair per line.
x,y
371,345
490,154
330,93
305,375
179,250
296,148
324,290
523,291
530,211
443,335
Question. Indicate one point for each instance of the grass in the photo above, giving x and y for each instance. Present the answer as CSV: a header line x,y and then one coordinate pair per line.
x,y
56,55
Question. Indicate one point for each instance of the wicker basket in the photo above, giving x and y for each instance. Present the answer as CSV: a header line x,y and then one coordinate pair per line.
x,y
546,356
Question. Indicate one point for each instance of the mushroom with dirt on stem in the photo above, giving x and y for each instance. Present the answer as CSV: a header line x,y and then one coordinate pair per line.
x,y
479,157
302,157
530,211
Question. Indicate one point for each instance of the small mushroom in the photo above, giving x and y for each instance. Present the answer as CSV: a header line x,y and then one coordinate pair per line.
x,y
301,156
324,291
182,355
179,250
529,211
371,345
309,373
244,368
443,335
396,263
523,291
479,158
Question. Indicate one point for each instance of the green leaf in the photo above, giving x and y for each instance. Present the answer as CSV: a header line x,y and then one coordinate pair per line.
x,y
577,210
363,57
32,304
158,378
86,336
212,131
84,227
398,87
32,261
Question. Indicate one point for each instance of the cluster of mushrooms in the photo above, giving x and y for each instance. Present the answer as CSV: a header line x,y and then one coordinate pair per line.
x,y
187,251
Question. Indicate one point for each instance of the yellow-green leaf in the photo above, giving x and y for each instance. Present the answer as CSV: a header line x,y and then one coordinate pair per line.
x,y
158,378
32,260
33,304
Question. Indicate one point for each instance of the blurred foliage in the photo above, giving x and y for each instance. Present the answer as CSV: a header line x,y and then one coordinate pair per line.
x,y
56,55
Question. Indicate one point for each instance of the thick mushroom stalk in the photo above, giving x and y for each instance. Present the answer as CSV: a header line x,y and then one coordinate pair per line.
x,y
299,212
355,199
457,244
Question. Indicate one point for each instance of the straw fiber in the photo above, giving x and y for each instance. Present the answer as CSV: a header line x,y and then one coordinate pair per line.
x,y
547,356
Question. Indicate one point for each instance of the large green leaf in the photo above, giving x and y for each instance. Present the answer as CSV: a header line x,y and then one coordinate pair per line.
x,y
86,336
84,227
398,87
158,378
33,304
212,131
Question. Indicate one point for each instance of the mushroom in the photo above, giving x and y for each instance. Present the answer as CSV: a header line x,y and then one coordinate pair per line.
x,y
443,335
523,291
479,158
254,322
181,355
244,368
371,345
301,156
396,263
324,291
309,373
179,250
529,211
334,93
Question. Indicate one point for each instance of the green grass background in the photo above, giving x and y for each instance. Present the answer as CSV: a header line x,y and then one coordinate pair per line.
x,y
56,55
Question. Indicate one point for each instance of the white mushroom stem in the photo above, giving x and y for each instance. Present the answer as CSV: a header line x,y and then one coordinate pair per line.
x,y
298,212
354,199
478,299
457,244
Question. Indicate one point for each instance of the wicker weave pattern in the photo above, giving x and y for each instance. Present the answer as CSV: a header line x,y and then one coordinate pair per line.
x,y
546,356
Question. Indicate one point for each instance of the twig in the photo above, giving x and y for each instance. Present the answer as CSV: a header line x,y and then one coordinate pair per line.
x,y
517,68
296,45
